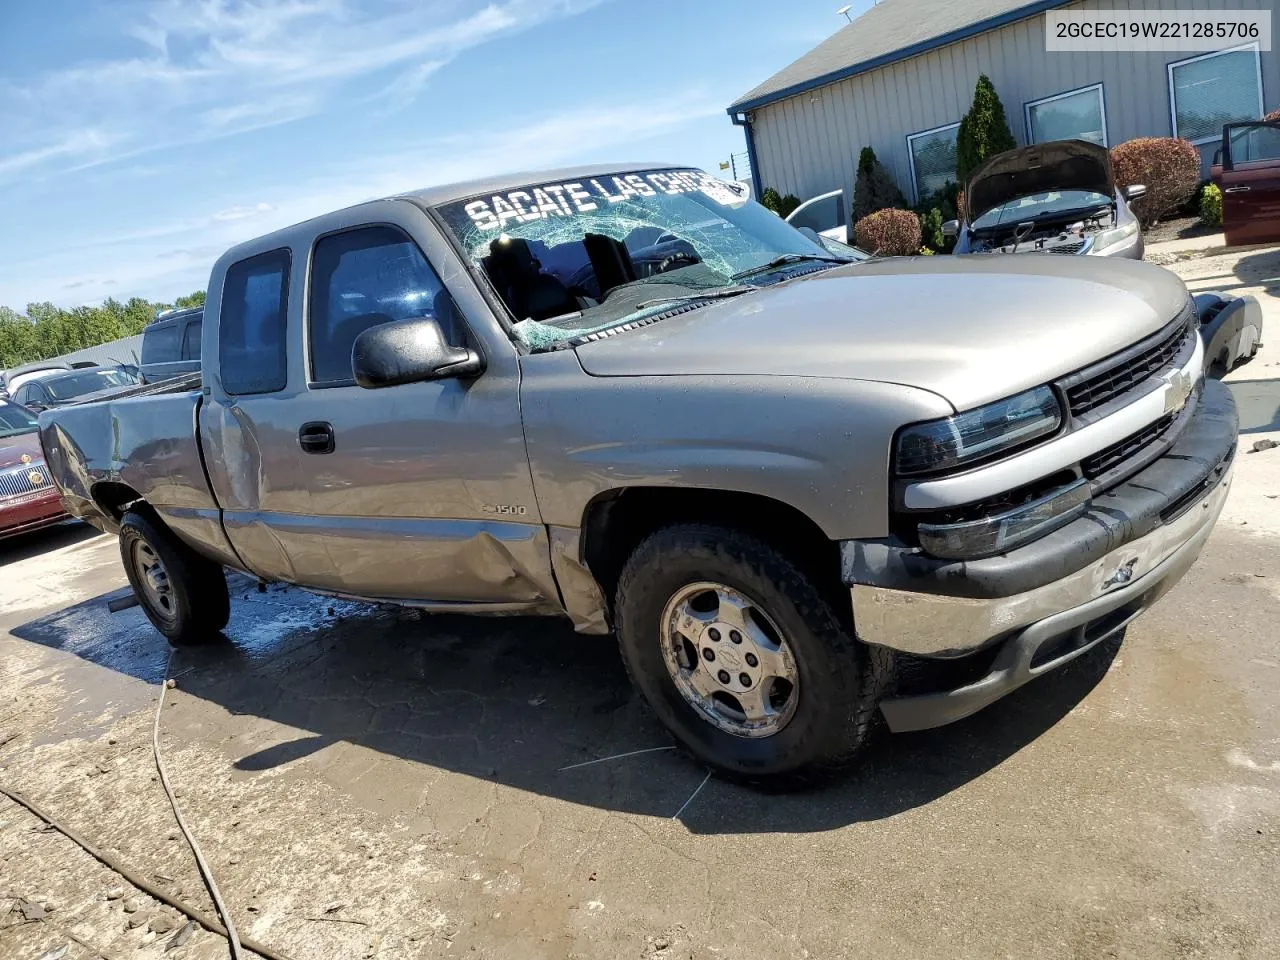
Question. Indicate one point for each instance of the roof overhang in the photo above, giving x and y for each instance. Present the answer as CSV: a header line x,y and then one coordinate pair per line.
x,y
894,56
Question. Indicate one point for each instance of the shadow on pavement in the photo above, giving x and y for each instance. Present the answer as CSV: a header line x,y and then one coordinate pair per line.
x,y
24,546
1260,269
1258,404
514,700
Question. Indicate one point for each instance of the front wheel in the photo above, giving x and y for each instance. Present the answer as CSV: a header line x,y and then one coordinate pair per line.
x,y
742,658
183,594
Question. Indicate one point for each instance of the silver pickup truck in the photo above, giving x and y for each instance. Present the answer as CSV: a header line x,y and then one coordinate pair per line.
x,y
787,478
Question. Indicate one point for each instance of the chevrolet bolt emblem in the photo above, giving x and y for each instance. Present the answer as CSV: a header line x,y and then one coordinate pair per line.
x,y
1175,398
1123,574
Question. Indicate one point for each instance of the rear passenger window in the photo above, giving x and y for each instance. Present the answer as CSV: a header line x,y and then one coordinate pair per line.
x,y
251,328
160,344
362,278
191,341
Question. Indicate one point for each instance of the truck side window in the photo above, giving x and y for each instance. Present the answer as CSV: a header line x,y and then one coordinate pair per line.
x,y
251,329
160,344
361,278
191,341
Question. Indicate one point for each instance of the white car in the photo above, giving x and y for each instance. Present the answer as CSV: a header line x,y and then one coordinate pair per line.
x,y
825,215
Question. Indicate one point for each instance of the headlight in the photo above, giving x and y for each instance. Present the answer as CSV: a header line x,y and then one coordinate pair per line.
x,y
1115,237
978,434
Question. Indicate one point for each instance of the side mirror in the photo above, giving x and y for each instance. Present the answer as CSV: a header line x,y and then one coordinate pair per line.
x,y
1134,191
409,351
951,228
35,406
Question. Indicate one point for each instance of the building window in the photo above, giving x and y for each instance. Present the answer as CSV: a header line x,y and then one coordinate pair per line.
x,y
1207,91
1075,115
933,159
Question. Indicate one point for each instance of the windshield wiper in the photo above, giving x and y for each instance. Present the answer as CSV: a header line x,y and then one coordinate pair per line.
x,y
784,260
691,297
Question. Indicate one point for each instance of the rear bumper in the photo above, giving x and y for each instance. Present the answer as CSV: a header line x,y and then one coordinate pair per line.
x,y
1050,601
22,516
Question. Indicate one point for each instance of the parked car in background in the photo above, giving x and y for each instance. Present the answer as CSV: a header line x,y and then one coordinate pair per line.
x,y
825,215
28,498
53,388
15,378
1247,171
1055,197
778,500
171,345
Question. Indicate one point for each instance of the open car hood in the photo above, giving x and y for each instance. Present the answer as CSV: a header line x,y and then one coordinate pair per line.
x,y
1058,165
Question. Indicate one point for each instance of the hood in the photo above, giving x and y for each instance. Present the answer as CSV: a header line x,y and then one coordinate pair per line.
x,y
971,329
12,449
1058,165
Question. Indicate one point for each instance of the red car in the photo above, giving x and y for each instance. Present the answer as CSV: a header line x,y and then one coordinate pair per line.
x,y
28,498
1247,170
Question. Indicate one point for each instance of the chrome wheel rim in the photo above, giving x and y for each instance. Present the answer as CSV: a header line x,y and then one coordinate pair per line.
x,y
729,660
154,580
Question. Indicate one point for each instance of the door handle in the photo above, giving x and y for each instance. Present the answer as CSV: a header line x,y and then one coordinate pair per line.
x,y
316,437
1236,190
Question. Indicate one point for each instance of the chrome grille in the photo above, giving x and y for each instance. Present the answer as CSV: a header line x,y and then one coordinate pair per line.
x,y
17,481
1089,389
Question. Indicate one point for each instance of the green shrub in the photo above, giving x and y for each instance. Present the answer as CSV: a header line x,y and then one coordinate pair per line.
x,y
1169,168
889,233
1211,206
788,204
771,199
874,189
931,229
983,132
947,200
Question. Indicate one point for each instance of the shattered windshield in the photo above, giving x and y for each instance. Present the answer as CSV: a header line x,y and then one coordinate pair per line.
x,y
573,258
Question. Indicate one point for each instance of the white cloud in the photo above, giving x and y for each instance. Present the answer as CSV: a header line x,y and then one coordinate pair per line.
x,y
237,65
73,144
242,212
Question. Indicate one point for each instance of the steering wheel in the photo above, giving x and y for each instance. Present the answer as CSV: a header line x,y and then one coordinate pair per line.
x,y
677,260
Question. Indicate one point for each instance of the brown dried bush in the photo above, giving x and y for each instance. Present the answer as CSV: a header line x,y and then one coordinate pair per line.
x,y
1168,167
889,233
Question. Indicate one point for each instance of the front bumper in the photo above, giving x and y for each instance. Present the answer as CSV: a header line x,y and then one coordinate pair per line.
x,y
1050,601
23,515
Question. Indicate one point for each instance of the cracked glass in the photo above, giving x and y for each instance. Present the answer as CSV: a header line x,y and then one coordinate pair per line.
x,y
575,258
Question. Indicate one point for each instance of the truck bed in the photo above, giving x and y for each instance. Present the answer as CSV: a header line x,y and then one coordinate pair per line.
x,y
140,443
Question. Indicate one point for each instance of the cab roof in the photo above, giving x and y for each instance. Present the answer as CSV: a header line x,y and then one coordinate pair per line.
x,y
448,193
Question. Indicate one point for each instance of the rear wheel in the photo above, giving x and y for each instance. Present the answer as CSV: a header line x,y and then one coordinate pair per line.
x,y
742,658
183,594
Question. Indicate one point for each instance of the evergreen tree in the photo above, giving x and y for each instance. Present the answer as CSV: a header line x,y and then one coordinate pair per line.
x,y
984,131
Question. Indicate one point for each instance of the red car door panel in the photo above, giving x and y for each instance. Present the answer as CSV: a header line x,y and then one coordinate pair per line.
x,y
1250,182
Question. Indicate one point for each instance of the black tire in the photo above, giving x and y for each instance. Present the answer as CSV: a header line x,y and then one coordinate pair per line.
x,y
841,680
199,604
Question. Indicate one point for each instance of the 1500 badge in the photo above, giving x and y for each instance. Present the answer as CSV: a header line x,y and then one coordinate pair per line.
x,y
505,509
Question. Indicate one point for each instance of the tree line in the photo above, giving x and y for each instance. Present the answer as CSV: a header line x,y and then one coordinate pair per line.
x,y
45,330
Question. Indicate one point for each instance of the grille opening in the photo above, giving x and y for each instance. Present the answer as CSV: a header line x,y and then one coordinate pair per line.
x,y
1188,499
1096,390
1098,464
1082,636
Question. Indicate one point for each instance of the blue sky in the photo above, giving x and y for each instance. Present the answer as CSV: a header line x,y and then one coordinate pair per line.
x,y
140,138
